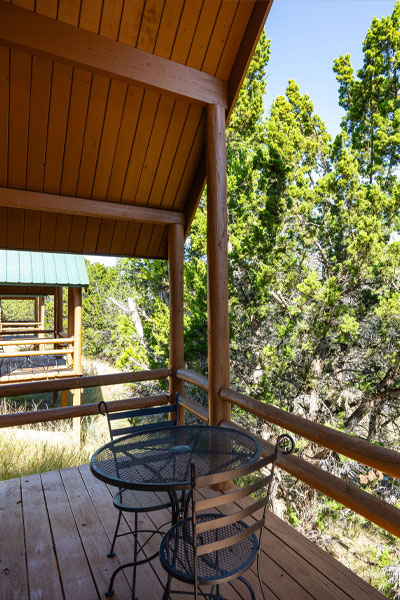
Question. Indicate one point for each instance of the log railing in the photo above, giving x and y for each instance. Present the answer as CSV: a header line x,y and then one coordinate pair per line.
x,y
365,504
84,410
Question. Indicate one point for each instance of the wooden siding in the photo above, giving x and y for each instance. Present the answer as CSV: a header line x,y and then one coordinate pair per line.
x,y
73,132
60,524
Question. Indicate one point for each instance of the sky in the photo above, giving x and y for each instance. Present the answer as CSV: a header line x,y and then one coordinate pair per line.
x,y
306,36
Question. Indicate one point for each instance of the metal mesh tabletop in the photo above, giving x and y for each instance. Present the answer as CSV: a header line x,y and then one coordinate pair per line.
x,y
160,458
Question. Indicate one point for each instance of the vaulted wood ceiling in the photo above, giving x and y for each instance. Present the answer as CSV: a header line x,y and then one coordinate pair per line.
x,y
102,110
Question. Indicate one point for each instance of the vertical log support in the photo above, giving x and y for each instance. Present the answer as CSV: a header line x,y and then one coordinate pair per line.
x,y
77,331
41,320
176,287
76,394
59,318
70,329
217,257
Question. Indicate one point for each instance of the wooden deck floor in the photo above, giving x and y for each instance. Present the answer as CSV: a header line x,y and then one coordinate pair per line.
x,y
55,531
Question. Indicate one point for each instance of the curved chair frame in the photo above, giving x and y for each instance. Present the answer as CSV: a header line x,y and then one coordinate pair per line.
x,y
200,544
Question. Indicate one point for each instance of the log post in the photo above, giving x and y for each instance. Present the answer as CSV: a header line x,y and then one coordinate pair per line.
x,y
176,287
59,318
76,394
70,327
78,331
217,258
41,320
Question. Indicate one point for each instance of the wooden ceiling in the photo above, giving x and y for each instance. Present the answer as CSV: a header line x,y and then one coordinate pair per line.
x,y
102,110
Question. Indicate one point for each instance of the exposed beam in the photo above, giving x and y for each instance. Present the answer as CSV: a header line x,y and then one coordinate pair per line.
x,y
37,34
88,208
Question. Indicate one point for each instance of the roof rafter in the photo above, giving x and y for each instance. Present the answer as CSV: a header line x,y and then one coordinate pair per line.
x,y
88,208
37,34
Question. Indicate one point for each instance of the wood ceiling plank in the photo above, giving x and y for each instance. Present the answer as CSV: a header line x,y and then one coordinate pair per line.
x,y
194,159
39,111
68,11
168,27
130,22
106,234
236,32
4,108
32,229
169,151
63,231
78,226
3,226
91,235
111,18
27,4
47,7
117,243
154,150
155,240
143,240
219,36
205,25
112,125
47,231
185,33
130,240
15,228
185,144
20,81
90,15
170,148
79,103
126,137
58,118
151,18
142,136
93,132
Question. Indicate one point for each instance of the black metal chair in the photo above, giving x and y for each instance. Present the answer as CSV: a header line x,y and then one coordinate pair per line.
x,y
214,548
135,501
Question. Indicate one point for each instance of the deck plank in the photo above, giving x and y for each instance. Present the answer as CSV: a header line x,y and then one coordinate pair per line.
x,y
13,579
69,520
74,569
147,585
92,534
38,542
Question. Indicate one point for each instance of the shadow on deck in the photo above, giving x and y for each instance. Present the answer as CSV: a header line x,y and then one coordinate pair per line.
x,y
56,530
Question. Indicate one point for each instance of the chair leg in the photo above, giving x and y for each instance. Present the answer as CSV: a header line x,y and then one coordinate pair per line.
x,y
135,554
112,553
167,588
259,577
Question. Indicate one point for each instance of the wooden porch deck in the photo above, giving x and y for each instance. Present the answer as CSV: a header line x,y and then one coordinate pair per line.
x,y
56,530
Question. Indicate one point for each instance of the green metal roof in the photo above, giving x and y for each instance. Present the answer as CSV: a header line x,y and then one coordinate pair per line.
x,y
42,268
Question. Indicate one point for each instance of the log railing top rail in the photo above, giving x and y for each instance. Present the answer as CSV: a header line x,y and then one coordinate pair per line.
x,y
83,410
372,508
353,447
36,340
73,383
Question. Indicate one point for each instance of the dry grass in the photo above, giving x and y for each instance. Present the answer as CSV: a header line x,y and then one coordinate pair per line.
x,y
47,446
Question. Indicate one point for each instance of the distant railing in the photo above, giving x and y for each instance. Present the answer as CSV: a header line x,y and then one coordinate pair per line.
x,y
18,363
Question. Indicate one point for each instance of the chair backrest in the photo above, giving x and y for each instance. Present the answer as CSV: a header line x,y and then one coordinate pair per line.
x,y
114,418
226,534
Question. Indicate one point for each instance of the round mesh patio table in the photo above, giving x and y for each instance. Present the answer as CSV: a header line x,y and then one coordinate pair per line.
x,y
159,459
